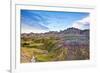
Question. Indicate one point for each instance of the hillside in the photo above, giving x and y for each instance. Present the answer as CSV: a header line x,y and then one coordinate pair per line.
x,y
69,44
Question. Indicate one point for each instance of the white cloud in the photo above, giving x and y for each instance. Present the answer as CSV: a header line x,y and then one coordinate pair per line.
x,y
82,24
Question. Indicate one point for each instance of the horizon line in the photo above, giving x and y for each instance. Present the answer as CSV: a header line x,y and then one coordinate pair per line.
x,y
53,31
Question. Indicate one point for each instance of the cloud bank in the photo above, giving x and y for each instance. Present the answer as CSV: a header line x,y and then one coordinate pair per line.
x,y
82,24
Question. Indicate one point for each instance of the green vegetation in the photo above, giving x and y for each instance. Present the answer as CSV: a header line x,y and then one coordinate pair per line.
x,y
54,48
44,49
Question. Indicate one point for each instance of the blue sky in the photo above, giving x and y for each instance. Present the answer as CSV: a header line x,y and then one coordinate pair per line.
x,y
38,21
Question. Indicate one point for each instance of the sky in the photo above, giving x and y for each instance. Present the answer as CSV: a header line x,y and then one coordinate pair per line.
x,y
39,21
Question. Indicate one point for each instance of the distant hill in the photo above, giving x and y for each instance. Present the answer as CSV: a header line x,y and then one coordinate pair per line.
x,y
71,31
66,31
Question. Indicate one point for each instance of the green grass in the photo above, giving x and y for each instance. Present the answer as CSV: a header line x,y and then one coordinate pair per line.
x,y
46,49
43,58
